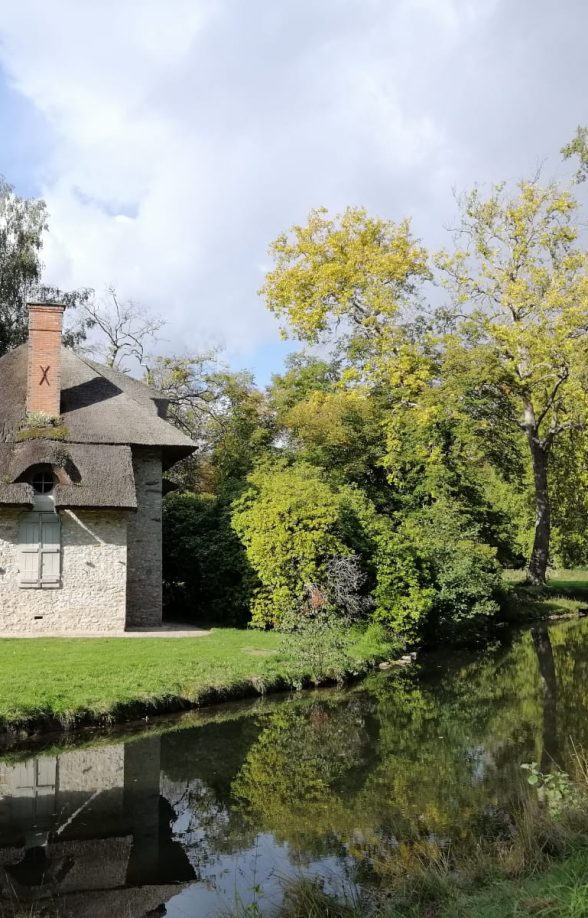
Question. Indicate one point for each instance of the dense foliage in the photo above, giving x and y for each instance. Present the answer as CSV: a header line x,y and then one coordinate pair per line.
x,y
424,449
205,568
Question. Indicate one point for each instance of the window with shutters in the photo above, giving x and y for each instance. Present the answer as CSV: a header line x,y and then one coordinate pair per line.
x,y
40,551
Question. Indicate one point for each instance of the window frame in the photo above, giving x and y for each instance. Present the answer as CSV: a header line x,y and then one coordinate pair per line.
x,y
47,475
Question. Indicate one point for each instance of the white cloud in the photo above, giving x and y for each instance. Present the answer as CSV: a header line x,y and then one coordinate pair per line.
x,y
184,135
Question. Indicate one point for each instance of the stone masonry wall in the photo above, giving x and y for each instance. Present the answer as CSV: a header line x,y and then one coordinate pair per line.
x,y
144,572
78,771
92,597
98,768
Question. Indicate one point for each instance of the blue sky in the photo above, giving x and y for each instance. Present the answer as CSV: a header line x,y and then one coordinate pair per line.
x,y
173,141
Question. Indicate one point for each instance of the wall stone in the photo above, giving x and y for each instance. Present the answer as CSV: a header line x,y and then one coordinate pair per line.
x,y
144,571
99,768
92,597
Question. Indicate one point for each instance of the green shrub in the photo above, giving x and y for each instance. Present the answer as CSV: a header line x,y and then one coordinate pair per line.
x,y
288,521
458,567
433,574
317,546
205,572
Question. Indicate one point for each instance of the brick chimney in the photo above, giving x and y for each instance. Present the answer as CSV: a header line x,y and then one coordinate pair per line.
x,y
44,371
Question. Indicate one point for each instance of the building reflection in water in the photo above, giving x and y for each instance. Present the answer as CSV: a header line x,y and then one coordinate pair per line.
x,y
90,830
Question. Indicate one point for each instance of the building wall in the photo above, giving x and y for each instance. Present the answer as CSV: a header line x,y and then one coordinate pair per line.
x,y
96,768
92,597
144,571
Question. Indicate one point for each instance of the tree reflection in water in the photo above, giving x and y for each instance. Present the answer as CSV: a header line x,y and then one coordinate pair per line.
x,y
355,782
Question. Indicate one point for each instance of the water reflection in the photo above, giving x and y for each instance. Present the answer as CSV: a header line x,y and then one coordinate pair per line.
x,y
90,827
346,785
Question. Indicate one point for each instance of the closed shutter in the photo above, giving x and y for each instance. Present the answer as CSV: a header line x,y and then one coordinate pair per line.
x,y
50,550
40,550
30,550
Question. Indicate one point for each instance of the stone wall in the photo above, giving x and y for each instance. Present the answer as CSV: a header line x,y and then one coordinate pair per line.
x,y
96,768
144,572
92,596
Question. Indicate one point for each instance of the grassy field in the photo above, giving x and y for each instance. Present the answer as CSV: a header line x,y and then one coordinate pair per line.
x,y
63,682
57,682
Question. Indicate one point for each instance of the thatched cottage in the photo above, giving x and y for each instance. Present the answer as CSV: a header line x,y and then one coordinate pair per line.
x,y
82,452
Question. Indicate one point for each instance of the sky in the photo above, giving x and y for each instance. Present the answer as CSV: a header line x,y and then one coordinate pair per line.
x,y
173,141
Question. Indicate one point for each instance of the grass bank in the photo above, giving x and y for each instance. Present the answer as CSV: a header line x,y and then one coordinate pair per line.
x,y
54,684
561,891
566,593
62,683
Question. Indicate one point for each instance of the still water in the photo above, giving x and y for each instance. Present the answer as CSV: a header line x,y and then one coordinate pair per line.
x,y
195,815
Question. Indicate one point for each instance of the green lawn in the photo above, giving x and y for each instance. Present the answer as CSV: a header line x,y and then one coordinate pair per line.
x,y
75,680
78,680
566,592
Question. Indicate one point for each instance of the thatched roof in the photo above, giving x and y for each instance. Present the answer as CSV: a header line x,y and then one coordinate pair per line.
x,y
104,414
89,476
98,405
16,495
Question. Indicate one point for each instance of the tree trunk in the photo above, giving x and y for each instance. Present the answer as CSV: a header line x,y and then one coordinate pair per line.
x,y
537,568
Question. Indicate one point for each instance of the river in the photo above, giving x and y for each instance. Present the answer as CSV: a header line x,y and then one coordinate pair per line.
x,y
194,815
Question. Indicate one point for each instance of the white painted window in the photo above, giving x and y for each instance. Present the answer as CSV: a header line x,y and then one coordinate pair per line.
x,y
40,551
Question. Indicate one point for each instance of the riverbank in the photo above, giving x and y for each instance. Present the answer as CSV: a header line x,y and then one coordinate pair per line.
x,y
561,891
564,595
56,684
453,787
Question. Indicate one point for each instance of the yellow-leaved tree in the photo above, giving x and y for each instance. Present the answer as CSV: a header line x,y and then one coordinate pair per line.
x,y
519,283
350,277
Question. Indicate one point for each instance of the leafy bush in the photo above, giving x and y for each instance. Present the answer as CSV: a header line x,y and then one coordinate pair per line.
x,y
460,569
205,572
321,642
317,547
288,521
433,573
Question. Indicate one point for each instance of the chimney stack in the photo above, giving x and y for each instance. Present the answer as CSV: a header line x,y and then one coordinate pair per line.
x,y
44,365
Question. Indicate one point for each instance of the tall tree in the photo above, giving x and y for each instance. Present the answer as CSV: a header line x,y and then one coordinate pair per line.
x,y
125,330
350,281
22,224
519,282
578,146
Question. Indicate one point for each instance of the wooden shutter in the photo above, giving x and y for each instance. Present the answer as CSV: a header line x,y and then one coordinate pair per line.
x,y
40,550
50,566
30,550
